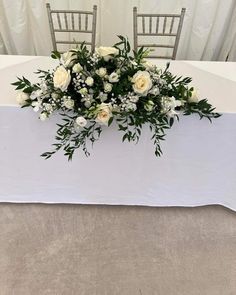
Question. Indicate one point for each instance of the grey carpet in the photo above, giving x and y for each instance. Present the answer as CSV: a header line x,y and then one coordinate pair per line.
x,y
104,250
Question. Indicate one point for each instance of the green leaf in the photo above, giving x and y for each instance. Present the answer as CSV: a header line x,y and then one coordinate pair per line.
x,y
122,128
171,121
27,82
124,137
28,90
16,83
110,121
20,87
56,55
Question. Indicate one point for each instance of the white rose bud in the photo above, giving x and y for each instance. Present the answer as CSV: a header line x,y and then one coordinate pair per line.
x,y
101,72
114,77
43,116
149,105
107,87
68,59
89,81
77,68
107,52
81,121
21,98
61,78
194,96
142,83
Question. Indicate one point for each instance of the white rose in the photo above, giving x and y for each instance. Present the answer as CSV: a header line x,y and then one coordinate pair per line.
x,y
107,52
77,68
142,83
194,96
149,105
69,103
43,116
89,81
81,121
101,72
22,97
104,113
61,78
114,77
68,59
107,87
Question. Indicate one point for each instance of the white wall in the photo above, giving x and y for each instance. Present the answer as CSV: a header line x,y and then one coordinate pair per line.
x,y
208,23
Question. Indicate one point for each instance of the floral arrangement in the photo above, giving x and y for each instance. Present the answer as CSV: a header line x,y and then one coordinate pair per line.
x,y
90,90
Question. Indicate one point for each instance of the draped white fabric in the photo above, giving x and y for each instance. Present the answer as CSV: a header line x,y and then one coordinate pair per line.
x,y
209,31
229,44
197,167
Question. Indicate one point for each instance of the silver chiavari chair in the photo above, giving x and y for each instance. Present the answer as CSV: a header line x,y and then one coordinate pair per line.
x,y
72,21
158,26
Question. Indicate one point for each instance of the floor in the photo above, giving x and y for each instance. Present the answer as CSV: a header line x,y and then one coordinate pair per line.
x,y
105,250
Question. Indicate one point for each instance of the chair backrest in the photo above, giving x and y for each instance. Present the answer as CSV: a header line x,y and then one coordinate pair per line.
x,y
72,21
160,26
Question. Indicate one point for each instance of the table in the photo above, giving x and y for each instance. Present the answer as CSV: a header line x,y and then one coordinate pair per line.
x,y
197,168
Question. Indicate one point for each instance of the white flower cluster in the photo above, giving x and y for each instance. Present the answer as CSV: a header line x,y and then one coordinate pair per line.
x,y
93,89
82,79
169,104
128,102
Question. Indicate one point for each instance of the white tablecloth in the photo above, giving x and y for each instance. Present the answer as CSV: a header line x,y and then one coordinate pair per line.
x,y
198,166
